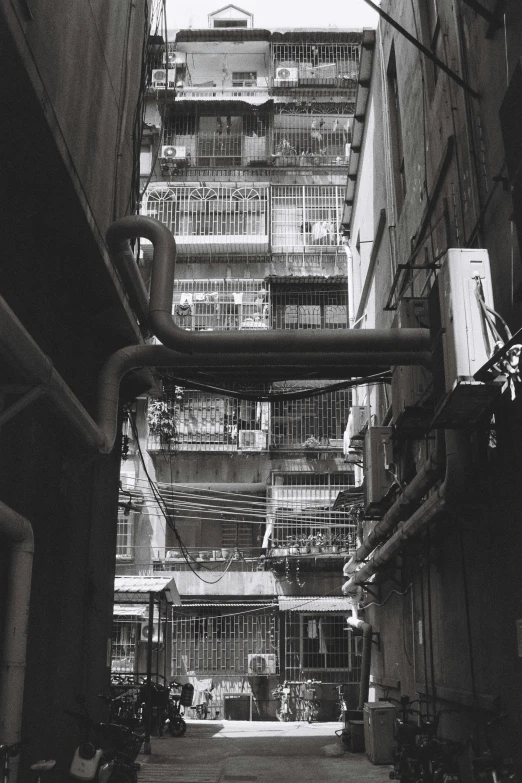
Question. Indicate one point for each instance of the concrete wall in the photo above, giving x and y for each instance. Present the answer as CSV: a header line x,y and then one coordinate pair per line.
x,y
68,86
449,618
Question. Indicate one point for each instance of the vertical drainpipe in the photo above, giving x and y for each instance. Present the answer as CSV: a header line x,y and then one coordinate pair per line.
x,y
18,529
358,624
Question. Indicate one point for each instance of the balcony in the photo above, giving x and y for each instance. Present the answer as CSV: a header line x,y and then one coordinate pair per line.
x,y
210,91
199,558
219,219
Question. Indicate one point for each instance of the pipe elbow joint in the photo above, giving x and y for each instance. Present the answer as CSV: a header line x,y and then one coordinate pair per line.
x,y
349,567
352,590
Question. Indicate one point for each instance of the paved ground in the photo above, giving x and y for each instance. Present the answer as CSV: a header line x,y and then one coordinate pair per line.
x,y
244,752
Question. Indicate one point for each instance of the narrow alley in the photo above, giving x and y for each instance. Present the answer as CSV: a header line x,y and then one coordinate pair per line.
x,y
254,752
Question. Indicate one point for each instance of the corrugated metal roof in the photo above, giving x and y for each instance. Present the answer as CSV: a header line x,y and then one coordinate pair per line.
x,y
314,604
130,610
221,34
226,604
141,586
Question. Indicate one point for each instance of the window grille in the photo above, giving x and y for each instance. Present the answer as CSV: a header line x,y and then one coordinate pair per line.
x,y
207,422
306,140
315,308
237,535
300,508
218,141
306,216
223,304
316,65
219,641
222,216
124,643
313,422
244,79
320,647
125,536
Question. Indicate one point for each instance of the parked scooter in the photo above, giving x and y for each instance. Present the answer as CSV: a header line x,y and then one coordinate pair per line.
x,y
106,753
175,723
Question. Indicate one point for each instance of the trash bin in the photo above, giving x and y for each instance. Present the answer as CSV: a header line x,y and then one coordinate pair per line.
x,y
378,731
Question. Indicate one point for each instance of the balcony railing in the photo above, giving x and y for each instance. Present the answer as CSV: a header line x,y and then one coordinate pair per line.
x,y
213,91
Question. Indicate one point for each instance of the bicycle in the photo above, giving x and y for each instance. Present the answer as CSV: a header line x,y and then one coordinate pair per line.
x,y
421,756
8,752
491,767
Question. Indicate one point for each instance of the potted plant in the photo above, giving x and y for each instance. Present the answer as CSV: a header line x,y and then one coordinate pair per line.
x,y
313,544
293,545
304,546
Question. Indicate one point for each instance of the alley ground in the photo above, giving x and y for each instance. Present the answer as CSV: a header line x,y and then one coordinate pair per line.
x,y
244,752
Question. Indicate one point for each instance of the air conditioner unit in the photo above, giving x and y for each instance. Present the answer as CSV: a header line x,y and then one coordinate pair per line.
x,y
467,342
159,78
357,420
377,457
262,663
157,633
173,153
286,77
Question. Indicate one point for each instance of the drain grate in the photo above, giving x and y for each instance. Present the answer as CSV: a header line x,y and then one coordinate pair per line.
x,y
173,773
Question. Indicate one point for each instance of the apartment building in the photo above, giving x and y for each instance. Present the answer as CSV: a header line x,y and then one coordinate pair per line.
x,y
244,157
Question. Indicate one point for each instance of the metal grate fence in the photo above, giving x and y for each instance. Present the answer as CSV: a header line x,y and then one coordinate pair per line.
x,y
315,65
320,647
300,511
220,640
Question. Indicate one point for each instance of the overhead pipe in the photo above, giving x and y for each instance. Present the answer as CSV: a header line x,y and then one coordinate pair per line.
x,y
405,341
17,345
424,480
12,672
453,489
363,348
126,359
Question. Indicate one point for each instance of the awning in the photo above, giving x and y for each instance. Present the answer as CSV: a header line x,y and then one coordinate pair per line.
x,y
130,610
138,588
314,604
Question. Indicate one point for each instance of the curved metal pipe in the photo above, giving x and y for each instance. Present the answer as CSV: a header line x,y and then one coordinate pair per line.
x,y
453,489
17,345
414,342
12,674
424,480
160,356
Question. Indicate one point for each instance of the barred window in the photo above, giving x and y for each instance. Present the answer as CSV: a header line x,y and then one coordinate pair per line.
x,y
125,536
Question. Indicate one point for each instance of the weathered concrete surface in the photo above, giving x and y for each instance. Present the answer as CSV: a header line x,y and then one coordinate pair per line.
x,y
244,752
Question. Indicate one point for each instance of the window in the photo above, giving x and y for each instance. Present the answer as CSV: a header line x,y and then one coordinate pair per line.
x,y
244,79
125,536
237,535
397,149
320,643
230,23
310,309
123,650
305,216
431,37
311,139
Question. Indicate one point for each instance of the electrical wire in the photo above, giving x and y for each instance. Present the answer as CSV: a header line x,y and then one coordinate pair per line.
x,y
168,517
277,397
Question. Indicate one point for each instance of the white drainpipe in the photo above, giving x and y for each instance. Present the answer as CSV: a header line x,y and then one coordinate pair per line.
x,y
18,529
446,497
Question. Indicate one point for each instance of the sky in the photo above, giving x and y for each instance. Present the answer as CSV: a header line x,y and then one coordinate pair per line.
x,y
277,13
